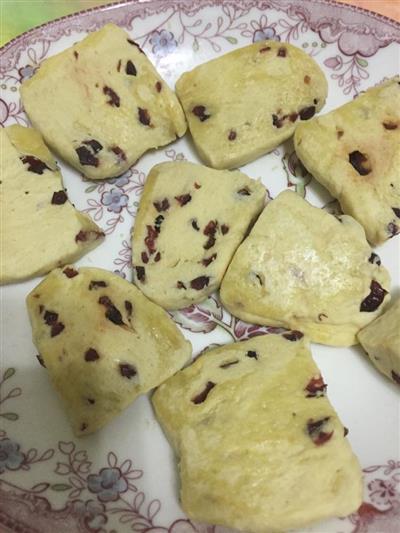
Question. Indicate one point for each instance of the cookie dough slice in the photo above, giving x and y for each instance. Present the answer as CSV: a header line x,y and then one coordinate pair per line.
x,y
381,341
101,104
305,269
40,228
191,219
354,151
102,342
245,103
260,447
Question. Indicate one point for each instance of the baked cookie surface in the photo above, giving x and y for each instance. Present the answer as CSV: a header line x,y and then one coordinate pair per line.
x,y
101,104
190,221
245,103
354,151
260,447
103,343
40,228
305,269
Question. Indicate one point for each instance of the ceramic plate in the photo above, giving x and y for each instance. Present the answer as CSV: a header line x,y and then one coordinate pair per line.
x,y
123,478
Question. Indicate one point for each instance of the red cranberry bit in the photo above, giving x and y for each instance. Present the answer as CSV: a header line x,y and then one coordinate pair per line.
x,y
281,52
392,229
144,116
375,259
229,363
91,355
180,285
316,433
207,260
70,272
210,230
157,223
345,432
315,101
315,388
293,117
307,80
264,49
360,162
119,65
83,426
35,165
307,112
84,236
130,41
162,206
94,285
94,145
50,317
158,86
183,199
396,211
113,96
112,313
244,192
140,273
157,257
86,157
224,229
150,239
130,68
374,298
40,359
396,377
390,125
200,112
119,153
252,354
195,225
199,283
293,335
59,198
128,307
76,54
202,396
56,329
276,121
127,370
232,135
145,257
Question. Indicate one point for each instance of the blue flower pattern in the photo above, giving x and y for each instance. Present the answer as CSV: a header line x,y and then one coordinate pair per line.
x,y
10,456
114,200
163,43
108,484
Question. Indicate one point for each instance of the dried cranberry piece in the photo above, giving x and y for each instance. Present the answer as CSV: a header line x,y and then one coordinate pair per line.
x,y
130,41
210,230
97,284
316,433
229,363
396,211
210,243
157,223
84,236
345,432
183,199
293,117
276,121
113,96
375,259
119,153
70,272
86,157
112,313
264,49
390,125
281,52
158,86
56,329
316,387
396,377
180,285
129,307
162,206
252,354
200,282
94,145
307,112
200,112
35,165
59,198
157,257
144,116
76,54
392,229
244,192
145,257
360,162
150,239
293,335
207,260
127,370
91,355
232,135
374,298
41,361
130,68
140,273
307,80
202,396
50,317
224,229
195,225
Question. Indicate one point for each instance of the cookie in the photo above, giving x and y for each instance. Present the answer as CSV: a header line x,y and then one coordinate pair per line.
x,y
306,269
354,151
381,341
41,228
102,342
260,447
101,104
191,219
265,90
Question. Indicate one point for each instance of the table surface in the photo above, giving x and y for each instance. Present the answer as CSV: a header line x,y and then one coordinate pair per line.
x,y
18,16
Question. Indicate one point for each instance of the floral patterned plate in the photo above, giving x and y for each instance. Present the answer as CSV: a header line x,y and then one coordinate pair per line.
x,y
123,478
